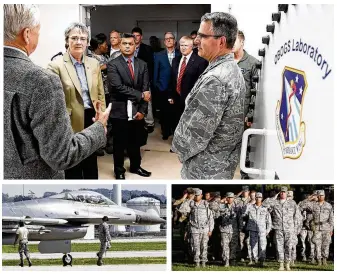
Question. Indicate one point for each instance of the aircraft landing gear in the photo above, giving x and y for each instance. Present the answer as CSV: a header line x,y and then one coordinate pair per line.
x,y
67,259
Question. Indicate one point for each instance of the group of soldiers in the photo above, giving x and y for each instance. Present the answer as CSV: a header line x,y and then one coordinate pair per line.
x,y
229,228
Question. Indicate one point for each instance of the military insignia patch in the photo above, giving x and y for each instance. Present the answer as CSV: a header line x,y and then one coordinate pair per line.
x,y
289,125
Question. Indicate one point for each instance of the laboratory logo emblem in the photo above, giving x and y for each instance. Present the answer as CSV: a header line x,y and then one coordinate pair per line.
x,y
289,125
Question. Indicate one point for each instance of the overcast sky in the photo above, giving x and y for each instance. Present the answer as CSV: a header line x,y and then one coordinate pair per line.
x,y
40,189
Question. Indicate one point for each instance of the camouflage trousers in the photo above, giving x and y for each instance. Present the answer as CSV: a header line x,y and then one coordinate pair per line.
x,y
322,240
244,242
23,249
229,245
312,245
294,242
199,245
258,245
104,246
283,240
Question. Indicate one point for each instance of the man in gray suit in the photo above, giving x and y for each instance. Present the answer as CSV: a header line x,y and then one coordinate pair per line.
x,y
39,142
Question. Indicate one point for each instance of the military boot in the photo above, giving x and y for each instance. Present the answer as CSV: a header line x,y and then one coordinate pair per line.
x,y
292,263
29,262
324,262
197,264
250,262
203,264
319,262
313,261
226,262
233,262
304,259
288,266
99,261
261,264
281,266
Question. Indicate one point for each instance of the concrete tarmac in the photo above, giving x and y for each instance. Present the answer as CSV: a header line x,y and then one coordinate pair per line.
x,y
135,267
109,254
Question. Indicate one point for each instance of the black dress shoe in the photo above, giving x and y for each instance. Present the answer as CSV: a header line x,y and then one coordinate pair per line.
x,y
100,152
171,151
150,129
109,150
141,172
120,176
165,137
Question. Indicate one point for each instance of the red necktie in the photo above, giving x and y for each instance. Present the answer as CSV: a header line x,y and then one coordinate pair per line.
x,y
181,74
131,68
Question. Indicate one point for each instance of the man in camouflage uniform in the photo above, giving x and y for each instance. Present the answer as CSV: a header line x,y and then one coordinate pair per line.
x,y
22,235
247,64
290,196
229,229
183,221
200,226
242,202
208,136
104,238
304,231
322,226
258,226
214,205
286,218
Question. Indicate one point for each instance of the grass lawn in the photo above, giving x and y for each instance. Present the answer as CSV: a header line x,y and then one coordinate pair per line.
x,y
269,266
78,261
87,247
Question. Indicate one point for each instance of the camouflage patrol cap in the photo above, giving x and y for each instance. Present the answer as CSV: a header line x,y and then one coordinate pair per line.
x,y
197,191
315,192
258,195
245,188
320,193
290,193
230,195
190,190
284,189
217,194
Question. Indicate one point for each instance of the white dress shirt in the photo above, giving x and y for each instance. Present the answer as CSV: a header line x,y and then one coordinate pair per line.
x,y
181,61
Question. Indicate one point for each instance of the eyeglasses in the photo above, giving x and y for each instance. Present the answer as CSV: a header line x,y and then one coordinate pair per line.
x,y
76,38
169,38
201,35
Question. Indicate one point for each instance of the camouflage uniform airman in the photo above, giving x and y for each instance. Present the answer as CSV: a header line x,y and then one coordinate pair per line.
x,y
259,225
293,252
229,229
286,219
244,245
104,238
215,246
322,226
208,136
200,223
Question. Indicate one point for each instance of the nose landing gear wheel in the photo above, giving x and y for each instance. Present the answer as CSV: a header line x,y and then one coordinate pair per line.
x,y
67,259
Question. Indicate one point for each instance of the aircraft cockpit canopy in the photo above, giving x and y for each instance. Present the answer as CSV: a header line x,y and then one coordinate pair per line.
x,y
84,197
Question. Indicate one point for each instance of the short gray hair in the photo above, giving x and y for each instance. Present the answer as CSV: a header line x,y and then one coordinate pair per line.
x,y
82,28
223,24
171,33
18,17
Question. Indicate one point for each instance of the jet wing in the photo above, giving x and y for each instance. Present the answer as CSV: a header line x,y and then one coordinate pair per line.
x,y
28,220
90,220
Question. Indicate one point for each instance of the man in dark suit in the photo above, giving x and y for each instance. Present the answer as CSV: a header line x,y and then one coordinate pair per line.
x,y
129,93
186,70
145,53
39,142
161,81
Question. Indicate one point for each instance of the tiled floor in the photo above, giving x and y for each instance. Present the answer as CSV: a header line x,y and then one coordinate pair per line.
x,y
156,157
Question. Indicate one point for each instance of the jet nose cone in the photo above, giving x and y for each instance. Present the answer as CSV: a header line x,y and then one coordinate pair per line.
x,y
148,218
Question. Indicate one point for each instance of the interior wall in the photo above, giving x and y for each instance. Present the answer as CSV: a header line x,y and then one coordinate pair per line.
x,y
54,20
125,17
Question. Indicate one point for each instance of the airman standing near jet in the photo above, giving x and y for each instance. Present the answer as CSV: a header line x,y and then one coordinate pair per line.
x,y
22,235
200,226
104,238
